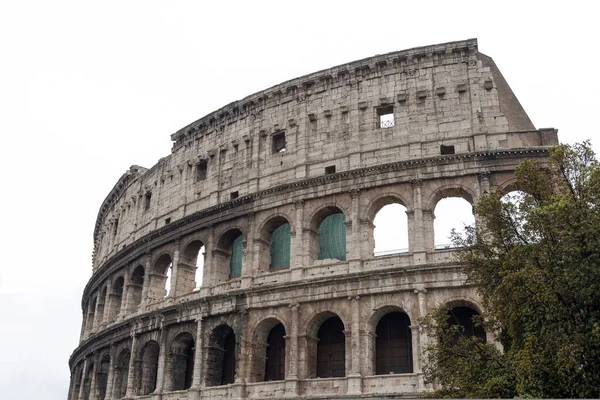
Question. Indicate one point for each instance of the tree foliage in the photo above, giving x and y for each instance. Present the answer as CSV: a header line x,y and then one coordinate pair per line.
x,y
536,263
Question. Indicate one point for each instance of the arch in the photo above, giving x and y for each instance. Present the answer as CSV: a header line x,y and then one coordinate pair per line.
x,y
329,224
451,213
121,373
180,364
453,190
116,297
376,204
461,312
274,249
147,368
390,230
102,377
220,366
268,357
331,349
136,286
229,255
393,344
190,268
159,278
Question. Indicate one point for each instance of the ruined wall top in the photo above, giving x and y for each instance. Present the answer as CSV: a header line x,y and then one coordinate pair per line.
x,y
441,100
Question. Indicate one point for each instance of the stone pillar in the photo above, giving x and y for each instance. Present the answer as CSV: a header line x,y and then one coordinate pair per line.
x,y
175,288
194,393
162,361
419,339
124,296
82,384
209,279
93,382
146,286
111,376
419,246
249,264
298,246
353,250
291,380
355,377
131,372
106,311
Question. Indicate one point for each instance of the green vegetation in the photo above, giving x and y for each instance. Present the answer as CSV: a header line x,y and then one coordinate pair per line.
x,y
536,264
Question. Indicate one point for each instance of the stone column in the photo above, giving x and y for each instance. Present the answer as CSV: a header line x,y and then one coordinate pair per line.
x,y
355,377
124,306
82,384
111,375
291,380
419,338
249,263
162,360
175,286
146,284
353,250
209,279
298,246
106,310
93,382
194,393
131,372
419,246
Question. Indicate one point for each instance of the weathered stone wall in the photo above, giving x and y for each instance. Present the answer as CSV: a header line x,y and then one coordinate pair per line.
x,y
457,131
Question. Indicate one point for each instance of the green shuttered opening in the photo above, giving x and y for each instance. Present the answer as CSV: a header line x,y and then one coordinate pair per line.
x,y
332,237
280,247
235,262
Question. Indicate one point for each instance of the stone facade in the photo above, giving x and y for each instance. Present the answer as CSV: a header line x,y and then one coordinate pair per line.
x,y
409,127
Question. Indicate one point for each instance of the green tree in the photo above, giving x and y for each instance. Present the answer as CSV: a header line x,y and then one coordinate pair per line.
x,y
536,265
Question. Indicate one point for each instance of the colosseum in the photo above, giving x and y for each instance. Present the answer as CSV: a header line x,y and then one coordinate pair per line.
x,y
242,265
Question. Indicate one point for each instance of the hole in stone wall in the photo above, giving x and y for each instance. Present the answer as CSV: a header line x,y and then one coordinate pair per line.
x,y
391,230
385,116
201,169
167,221
147,200
234,195
330,169
446,149
451,213
278,144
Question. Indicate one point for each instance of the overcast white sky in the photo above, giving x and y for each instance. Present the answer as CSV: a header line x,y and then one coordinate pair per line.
x,y
89,88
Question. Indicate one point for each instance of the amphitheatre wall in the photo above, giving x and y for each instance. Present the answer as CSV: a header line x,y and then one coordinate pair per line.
x,y
409,127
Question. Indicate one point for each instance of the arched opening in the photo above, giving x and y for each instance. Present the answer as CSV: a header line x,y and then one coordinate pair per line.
x,y
116,297
87,382
451,213
221,357
330,227
122,373
190,268
275,357
147,368
514,204
228,256
102,378
391,230
91,315
160,278
331,349
136,285
463,317
393,344
100,308
274,248
181,362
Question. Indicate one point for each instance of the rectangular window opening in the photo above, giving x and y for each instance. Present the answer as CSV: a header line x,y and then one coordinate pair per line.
x,y
167,221
147,200
278,143
330,169
385,117
201,169
446,149
234,195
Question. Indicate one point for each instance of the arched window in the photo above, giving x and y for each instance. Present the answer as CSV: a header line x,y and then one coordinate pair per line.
x,y
102,378
116,298
148,368
159,284
136,285
331,349
190,268
182,362
451,213
463,316
122,374
235,261
332,237
280,247
275,360
221,356
393,345
391,230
